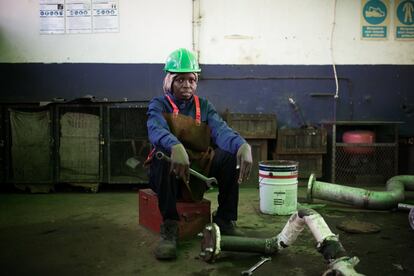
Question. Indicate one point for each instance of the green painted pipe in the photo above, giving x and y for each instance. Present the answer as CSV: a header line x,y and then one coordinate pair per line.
x,y
376,200
328,243
246,244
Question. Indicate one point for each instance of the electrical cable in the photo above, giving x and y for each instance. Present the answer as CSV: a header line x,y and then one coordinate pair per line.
x,y
332,54
336,96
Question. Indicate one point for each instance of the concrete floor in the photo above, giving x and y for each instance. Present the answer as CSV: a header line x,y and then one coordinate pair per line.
x,y
79,233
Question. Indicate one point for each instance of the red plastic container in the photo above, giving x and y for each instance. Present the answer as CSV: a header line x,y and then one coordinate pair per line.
x,y
359,137
193,215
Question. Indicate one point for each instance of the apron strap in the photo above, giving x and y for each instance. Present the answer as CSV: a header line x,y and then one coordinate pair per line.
x,y
174,106
197,106
198,113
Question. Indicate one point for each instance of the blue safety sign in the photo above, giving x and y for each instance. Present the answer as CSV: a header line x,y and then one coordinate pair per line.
x,y
375,14
404,22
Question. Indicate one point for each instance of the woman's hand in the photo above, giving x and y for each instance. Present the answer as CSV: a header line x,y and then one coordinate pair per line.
x,y
244,162
180,163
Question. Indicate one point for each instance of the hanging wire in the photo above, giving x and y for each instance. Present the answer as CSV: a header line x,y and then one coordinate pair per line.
x,y
336,96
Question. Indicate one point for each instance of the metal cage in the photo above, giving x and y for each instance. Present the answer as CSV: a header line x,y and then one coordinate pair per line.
x,y
79,143
2,147
364,164
373,168
28,145
127,145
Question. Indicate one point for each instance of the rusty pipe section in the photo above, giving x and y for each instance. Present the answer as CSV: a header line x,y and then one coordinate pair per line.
x,y
377,200
328,243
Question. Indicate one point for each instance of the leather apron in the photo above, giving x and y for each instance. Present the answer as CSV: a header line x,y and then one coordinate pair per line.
x,y
195,136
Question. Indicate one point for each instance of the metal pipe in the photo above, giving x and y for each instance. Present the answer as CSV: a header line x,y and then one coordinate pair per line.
x,y
246,244
405,207
377,200
410,209
328,243
291,231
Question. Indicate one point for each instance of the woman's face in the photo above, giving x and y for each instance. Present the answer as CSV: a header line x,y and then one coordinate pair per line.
x,y
184,86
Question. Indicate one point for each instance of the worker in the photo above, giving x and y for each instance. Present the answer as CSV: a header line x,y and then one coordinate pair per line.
x,y
189,130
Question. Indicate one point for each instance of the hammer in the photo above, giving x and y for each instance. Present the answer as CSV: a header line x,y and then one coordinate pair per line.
x,y
208,180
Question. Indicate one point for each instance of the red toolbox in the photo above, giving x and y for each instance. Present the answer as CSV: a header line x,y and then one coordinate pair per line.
x,y
193,215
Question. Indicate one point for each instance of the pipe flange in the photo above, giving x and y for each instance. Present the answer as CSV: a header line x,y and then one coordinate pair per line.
x,y
343,266
210,244
272,245
311,181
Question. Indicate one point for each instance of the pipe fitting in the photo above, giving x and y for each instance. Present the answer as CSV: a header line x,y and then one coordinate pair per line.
x,y
328,243
331,249
343,266
211,242
377,200
311,181
317,225
291,231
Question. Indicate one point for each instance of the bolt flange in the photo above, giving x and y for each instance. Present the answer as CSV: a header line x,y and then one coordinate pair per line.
x,y
210,244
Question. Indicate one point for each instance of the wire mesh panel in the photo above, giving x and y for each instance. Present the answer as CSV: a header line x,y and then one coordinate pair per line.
x,y
374,167
128,123
126,161
30,146
364,152
128,144
79,143
2,147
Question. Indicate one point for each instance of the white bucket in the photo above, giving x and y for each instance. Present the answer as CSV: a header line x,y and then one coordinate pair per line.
x,y
278,180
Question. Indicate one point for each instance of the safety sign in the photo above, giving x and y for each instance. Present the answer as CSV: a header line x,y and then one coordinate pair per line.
x,y
404,19
52,17
78,16
105,16
375,19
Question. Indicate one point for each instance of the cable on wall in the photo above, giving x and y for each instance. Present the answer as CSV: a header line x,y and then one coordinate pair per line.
x,y
336,95
332,55
196,28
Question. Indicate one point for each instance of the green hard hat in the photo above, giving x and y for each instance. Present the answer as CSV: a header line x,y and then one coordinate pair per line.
x,y
182,61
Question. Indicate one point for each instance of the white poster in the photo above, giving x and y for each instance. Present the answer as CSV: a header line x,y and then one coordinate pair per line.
x,y
105,16
78,16
52,17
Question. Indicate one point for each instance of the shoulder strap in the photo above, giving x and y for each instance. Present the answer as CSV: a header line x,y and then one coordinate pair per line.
x,y
198,113
174,106
197,106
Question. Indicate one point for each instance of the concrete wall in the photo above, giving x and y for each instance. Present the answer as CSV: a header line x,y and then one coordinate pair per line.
x,y
254,55
225,32
291,32
143,36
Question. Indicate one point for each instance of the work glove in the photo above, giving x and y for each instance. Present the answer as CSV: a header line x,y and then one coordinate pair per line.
x,y
180,163
244,162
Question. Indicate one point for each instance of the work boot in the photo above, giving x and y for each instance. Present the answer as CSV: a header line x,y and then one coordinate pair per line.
x,y
227,227
167,246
